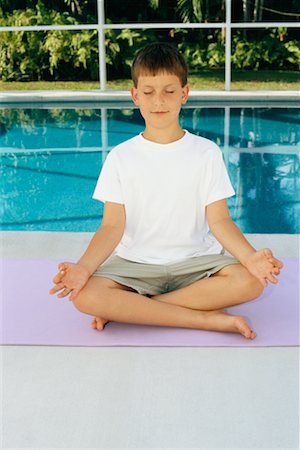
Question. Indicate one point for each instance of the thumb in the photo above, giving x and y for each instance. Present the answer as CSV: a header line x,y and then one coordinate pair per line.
x,y
65,265
268,253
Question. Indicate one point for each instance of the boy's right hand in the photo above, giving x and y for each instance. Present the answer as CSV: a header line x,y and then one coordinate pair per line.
x,y
71,278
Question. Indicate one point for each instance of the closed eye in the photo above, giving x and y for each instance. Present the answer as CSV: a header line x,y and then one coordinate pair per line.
x,y
167,92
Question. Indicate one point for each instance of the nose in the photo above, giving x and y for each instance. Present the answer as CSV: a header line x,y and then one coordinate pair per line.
x,y
158,99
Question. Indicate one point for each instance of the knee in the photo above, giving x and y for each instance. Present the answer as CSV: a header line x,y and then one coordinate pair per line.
x,y
86,299
251,285
247,285
81,300
256,287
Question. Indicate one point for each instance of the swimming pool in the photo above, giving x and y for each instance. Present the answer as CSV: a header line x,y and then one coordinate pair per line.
x,y
51,159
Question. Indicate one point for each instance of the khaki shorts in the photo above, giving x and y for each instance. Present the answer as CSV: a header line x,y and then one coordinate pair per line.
x,y
153,279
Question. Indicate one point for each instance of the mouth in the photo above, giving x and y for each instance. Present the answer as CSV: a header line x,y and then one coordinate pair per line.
x,y
160,112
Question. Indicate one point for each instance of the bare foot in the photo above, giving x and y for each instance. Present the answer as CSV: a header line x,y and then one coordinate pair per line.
x,y
242,327
216,320
98,323
220,321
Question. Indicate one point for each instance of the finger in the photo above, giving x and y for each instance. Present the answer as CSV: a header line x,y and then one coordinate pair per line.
x,y
65,292
56,288
276,262
58,278
62,268
272,279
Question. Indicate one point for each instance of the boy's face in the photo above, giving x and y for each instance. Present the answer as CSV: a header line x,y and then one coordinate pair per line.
x,y
160,98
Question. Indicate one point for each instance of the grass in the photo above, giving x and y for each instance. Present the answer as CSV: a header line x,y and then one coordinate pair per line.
x,y
203,80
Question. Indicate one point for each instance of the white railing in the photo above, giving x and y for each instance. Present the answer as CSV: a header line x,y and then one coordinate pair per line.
x,y
101,26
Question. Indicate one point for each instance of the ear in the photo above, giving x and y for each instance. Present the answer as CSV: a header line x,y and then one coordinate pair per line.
x,y
134,95
185,94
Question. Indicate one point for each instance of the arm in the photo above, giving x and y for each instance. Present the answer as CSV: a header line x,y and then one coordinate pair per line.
x,y
260,263
106,239
226,232
73,277
103,243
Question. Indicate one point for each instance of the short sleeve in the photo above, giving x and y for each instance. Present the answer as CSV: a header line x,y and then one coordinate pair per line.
x,y
219,184
108,187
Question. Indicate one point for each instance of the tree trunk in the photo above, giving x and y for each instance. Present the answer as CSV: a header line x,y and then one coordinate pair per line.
x,y
246,16
258,10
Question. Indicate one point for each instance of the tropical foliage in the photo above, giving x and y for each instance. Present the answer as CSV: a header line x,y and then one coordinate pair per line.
x,y
72,55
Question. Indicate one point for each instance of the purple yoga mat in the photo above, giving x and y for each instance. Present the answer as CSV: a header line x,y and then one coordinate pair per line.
x,y
31,316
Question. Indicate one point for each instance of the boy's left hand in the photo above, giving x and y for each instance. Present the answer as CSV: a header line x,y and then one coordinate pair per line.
x,y
263,265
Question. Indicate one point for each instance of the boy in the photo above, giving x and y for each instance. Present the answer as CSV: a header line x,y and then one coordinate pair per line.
x,y
163,190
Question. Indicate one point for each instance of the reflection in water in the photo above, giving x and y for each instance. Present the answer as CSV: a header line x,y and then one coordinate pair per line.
x,y
54,156
2,129
267,192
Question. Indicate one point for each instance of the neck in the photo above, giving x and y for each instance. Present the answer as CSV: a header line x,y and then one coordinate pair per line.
x,y
165,136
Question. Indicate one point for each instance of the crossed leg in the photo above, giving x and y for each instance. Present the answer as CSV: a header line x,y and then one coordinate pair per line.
x,y
230,286
199,308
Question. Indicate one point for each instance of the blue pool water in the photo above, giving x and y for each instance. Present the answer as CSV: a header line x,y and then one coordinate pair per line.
x,y
51,159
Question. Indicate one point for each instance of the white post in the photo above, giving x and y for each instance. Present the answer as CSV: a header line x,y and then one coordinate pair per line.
x,y
228,47
104,132
101,44
226,134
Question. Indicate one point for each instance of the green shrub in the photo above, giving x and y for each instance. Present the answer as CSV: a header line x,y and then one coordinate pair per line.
x,y
268,53
37,55
71,55
121,46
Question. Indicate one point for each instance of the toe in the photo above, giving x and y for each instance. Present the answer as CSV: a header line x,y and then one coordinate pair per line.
x,y
253,334
244,328
99,325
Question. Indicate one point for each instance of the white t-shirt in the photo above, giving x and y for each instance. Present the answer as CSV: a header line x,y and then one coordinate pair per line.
x,y
165,189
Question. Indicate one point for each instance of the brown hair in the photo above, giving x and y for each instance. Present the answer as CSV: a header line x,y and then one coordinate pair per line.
x,y
156,58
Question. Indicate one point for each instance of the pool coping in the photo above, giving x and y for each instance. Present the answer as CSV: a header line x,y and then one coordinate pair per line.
x,y
124,96
40,244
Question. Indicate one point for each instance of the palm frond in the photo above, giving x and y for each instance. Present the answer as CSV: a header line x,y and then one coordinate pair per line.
x,y
154,4
189,10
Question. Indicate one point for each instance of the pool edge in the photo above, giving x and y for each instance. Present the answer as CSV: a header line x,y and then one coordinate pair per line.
x,y
52,96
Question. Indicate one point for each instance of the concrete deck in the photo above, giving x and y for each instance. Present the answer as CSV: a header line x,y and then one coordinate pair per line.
x,y
146,398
